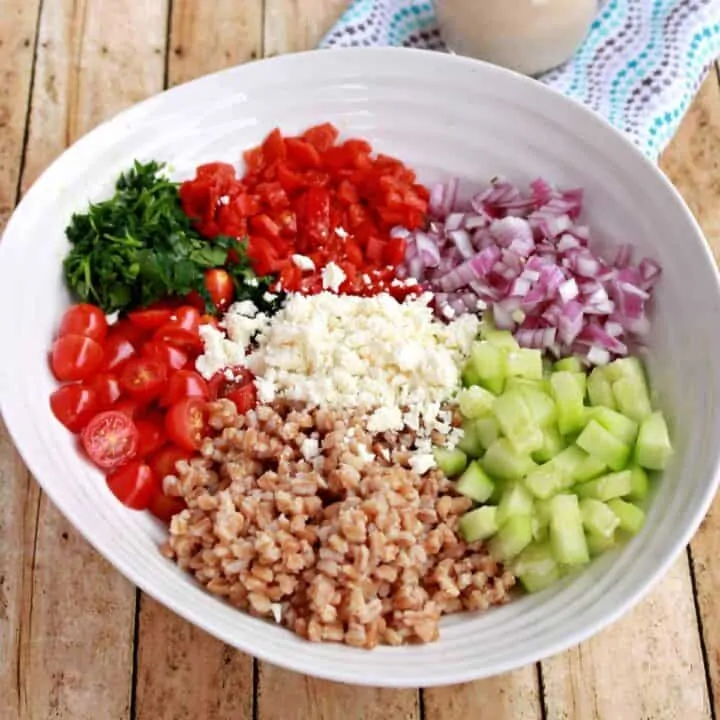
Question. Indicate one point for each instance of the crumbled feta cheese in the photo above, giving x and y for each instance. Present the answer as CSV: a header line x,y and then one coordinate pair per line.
x,y
448,312
303,262
333,277
229,374
265,389
269,297
224,200
421,463
220,352
276,610
364,454
310,448
252,282
384,419
112,318
341,232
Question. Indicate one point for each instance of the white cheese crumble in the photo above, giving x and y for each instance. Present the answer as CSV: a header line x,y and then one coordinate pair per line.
x,y
333,277
310,448
303,262
341,232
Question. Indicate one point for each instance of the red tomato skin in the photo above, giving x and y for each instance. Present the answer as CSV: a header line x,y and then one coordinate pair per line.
x,y
143,379
187,317
164,460
185,423
110,439
74,405
163,507
134,409
150,318
118,350
151,430
75,357
84,319
133,485
173,334
130,331
185,384
220,286
245,398
107,389
172,356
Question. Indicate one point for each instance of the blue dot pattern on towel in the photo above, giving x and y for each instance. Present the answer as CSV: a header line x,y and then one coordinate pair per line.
x,y
639,67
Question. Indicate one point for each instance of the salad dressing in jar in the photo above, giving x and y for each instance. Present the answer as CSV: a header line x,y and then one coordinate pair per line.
x,y
529,36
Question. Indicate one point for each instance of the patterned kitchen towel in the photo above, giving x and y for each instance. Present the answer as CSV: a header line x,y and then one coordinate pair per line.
x,y
640,65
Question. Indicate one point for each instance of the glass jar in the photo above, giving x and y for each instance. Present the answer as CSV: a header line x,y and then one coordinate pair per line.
x,y
530,36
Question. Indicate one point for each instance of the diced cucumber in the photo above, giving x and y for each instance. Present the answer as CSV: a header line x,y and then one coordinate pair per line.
x,y
571,364
540,530
569,460
470,442
451,462
543,511
629,367
553,443
516,500
502,461
469,375
486,431
501,338
536,567
512,538
600,443
640,484
653,449
568,397
566,531
632,398
545,481
520,383
590,468
489,363
541,406
516,422
500,487
475,402
524,363
581,379
607,487
475,483
479,524
598,544
630,517
623,428
600,390
598,518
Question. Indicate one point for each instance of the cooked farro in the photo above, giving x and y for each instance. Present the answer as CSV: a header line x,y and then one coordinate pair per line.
x,y
349,545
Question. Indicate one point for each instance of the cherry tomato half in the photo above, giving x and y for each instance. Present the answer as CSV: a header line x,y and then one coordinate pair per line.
x,y
185,423
163,507
187,317
74,405
220,286
110,439
75,357
150,318
118,350
133,485
184,384
134,409
245,398
170,355
164,461
172,334
107,389
132,332
143,379
152,434
84,319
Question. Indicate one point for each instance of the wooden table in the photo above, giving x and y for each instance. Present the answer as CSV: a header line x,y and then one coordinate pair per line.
x,y
76,639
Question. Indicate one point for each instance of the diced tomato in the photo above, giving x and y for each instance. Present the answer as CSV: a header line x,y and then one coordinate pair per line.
x,y
186,423
254,159
273,195
133,485
302,154
84,319
143,379
273,147
245,398
110,439
375,249
395,251
263,225
74,405
216,170
75,357
321,136
107,389
316,221
263,255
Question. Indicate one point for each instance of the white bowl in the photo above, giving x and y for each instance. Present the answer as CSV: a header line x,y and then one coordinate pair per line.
x,y
446,116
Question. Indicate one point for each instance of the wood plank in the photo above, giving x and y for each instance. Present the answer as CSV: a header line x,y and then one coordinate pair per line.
x,y
647,665
296,25
200,676
513,696
692,162
18,497
290,26
75,658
